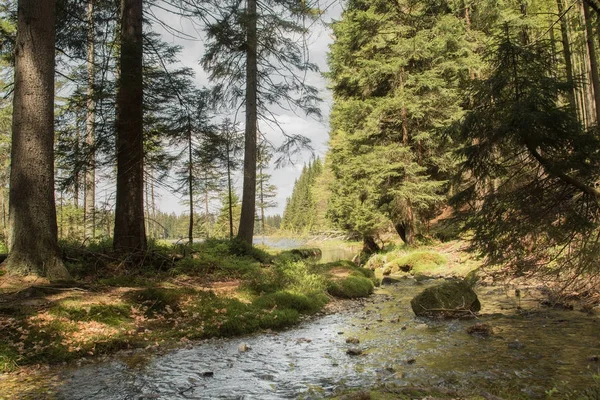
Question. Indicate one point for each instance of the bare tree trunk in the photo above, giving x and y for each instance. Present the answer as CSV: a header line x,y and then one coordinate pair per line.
x,y
130,234
229,189
262,204
77,179
246,230
369,245
33,242
190,185
206,201
566,42
146,202
154,232
90,137
593,60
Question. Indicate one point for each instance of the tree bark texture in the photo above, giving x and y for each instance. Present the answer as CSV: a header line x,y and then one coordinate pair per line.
x,y
130,234
229,192
593,60
246,230
566,42
33,241
90,139
190,184
369,245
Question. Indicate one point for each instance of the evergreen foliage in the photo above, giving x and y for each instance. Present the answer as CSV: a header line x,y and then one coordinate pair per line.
x,y
532,167
396,70
299,216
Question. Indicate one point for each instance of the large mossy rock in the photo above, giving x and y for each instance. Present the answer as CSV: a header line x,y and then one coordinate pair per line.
x,y
450,299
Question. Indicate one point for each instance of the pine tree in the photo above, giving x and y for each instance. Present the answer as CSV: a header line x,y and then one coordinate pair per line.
x,y
258,64
130,233
300,211
265,191
231,209
33,242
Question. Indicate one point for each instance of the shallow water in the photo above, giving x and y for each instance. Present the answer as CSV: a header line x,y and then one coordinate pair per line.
x,y
531,351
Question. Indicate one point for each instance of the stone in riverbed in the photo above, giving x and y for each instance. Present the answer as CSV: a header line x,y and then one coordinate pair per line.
x,y
481,329
353,340
354,351
387,280
449,299
243,347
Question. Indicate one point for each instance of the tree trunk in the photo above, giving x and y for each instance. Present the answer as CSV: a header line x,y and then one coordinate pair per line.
x,y
229,189
246,230
262,204
90,173
190,185
206,201
566,42
369,245
154,232
593,60
33,241
130,232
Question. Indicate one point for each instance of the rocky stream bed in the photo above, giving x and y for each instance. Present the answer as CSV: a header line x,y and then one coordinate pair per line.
x,y
531,352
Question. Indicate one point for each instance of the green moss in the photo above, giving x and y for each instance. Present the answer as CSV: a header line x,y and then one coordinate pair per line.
x,y
283,299
297,276
376,261
351,287
420,261
447,299
279,319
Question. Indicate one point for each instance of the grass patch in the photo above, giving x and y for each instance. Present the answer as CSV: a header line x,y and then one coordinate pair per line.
x,y
109,314
416,262
309,304
157,300
8,358
210,315
296,276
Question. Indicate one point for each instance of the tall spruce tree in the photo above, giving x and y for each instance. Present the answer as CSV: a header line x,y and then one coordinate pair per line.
x,y
254,51
265,190
396,70
130,232
33,242
300,210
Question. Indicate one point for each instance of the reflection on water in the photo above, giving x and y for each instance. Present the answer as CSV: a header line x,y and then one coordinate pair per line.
x,y
530,352
279,243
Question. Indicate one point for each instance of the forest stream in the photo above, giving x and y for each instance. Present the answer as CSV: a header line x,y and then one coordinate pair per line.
x,y
533,352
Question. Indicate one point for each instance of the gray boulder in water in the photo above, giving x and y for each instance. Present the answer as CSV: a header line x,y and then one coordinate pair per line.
x,y
449,299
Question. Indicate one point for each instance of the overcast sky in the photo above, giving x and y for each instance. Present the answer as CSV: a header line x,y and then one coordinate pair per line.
x,y
317,131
